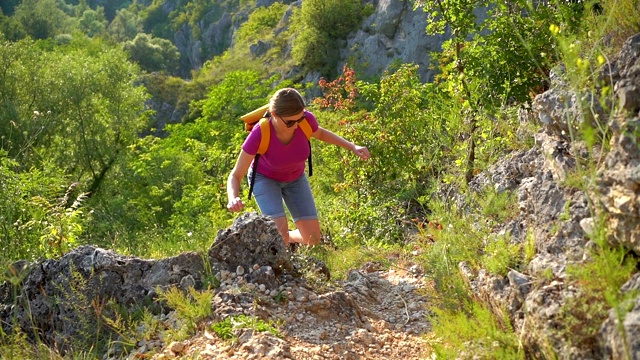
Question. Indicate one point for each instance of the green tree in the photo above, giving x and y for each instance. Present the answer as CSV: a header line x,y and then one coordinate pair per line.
x,y
262,20
77,106
35,219
496,60
81,8
172,189
21,126
155,20
8,6
41,19
111,7
153,54
100,110
11,28
125,26
194,12
322,24
93,22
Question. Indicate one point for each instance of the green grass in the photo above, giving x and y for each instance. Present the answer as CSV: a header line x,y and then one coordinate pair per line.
x,y
476,333
342,259
501,255
598,280
226,329
191,307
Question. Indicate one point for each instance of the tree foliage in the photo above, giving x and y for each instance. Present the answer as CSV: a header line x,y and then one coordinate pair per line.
x,y
41,19
155,20
125,26
409,132
80,123
514,38
93,22
11,29
110,7
260,23
153,54
8,6
35,219
322,24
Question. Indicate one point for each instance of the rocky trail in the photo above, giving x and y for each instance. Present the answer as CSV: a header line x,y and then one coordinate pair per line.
x,y
373,314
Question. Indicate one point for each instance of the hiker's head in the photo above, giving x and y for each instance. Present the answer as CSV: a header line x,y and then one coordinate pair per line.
x,y
286,102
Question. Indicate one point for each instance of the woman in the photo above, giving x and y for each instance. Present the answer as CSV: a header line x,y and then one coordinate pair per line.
x,y
280,174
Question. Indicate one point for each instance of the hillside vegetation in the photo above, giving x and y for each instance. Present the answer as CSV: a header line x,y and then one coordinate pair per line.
x,y
84,159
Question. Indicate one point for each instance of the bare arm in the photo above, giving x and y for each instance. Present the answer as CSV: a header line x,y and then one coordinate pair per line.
x,y
332,138
235,178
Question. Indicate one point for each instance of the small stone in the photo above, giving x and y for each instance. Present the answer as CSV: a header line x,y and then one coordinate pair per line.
x,y
176,347
240,270
588,226
224,275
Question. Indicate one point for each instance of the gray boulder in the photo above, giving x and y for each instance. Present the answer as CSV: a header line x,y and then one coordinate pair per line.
x,y
63,302
60,301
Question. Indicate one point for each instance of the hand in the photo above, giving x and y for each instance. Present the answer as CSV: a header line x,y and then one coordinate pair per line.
x,y
235,204
361,151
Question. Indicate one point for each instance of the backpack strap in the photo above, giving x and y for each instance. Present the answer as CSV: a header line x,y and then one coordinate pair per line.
x,y
265,132
254,170
310,163
306,129
265,136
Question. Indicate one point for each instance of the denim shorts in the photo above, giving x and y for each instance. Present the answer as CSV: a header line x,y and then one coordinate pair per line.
x,y
296,194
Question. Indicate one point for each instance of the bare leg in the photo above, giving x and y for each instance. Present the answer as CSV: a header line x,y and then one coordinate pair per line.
x,y
307,232
283,228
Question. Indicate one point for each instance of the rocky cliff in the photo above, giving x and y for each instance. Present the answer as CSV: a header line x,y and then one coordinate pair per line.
x,y
395,32
562,217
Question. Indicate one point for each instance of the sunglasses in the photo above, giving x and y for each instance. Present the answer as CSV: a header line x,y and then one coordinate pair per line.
x,y
292,122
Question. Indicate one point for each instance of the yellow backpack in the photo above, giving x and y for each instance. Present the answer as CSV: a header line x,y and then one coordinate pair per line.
x,y
260,116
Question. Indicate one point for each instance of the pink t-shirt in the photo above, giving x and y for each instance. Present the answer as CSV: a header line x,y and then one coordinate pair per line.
x,y
281,162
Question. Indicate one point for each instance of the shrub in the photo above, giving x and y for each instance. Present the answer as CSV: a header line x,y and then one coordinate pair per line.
x,y
323,23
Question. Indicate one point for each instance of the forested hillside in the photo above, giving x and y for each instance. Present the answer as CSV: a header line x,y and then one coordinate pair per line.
x,y
119,124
